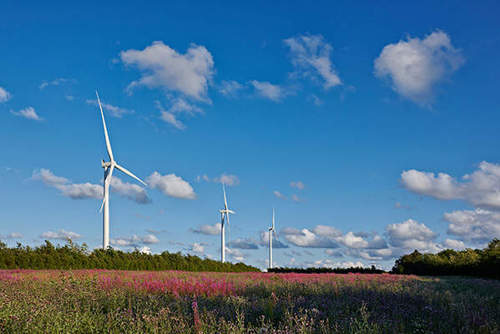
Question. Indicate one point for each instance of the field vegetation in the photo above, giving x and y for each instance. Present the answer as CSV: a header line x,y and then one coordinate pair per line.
x,y
102,301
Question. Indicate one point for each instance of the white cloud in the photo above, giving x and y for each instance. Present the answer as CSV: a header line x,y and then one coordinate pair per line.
x,y
228,179
74,191
307,238
131,191
230,88
60,235
197,248
135,241
56,82
208,229
89,190
278,194
114,111
311,58
179,106
297,184
28,112
296,198
425,183
243,244
454,244
334,253
171,185
268,90
163,67
478,226
145,250
264,241
235,254
481,188
411,234
4,95
416,65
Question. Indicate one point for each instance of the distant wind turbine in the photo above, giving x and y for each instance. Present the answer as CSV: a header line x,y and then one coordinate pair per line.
x,y
108,173
224,218
271,232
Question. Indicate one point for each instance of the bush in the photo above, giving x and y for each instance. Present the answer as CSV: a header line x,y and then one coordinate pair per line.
x,y
469,262
73,256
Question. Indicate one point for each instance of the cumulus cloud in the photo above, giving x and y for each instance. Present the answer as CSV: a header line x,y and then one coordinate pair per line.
x,y
478,226
197,248
60,235
145,250
334,253
481,188
230,88
89,190
171,185
454,244
243,244
131,191
28,113
307,238
114,111
269,91
178,107
411,234
311,58
415,66
208,229
264,241
297,184
135,241
165,68
235,254
4,95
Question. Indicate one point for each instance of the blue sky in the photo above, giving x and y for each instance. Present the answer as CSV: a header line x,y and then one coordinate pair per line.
x,y
371,129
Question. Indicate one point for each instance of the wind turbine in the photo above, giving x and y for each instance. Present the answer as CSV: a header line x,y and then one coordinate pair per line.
x,y
224,213
108,173
271,232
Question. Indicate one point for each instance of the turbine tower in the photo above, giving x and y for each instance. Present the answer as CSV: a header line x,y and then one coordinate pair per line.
x,y
108,173
271,232
224,213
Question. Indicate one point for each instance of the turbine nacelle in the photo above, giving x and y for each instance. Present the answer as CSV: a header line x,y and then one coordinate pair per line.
x,y
105,164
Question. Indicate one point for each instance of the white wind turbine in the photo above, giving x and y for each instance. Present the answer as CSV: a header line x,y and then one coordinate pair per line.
x,y
224,213
271,232
108,173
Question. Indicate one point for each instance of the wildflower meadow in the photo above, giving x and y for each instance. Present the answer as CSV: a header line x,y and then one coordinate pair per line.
x,y
107,301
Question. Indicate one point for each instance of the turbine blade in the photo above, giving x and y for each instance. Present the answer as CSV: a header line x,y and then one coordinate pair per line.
x,y
129,173
273,218
108,144
227,217
225,199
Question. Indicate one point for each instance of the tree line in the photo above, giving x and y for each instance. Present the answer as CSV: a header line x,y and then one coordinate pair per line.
x,y
469,262
361,270
73,256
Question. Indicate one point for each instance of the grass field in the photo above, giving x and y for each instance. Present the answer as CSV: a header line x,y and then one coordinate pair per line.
x,y
102,301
